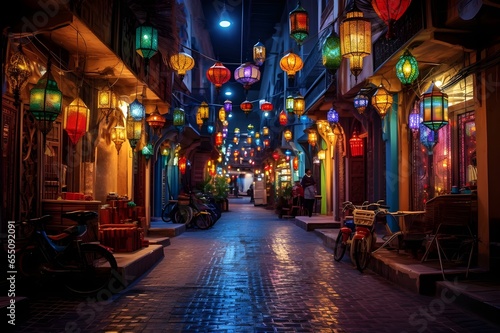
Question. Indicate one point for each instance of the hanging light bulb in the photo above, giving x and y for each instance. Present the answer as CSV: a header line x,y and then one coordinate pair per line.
x,y
224,20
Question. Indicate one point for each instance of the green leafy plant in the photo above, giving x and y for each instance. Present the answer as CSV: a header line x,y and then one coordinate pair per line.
x,y
221,188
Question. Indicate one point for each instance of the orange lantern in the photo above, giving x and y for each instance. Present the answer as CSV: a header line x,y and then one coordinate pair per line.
x,y
287,134
283,118
291,64
295,163
356,143
312,138
182,165
266,106
218,139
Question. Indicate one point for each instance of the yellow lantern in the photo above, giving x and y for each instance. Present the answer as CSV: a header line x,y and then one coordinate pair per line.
x,y
291,64
222,114
355,39
203,110
118,136
181,63
382,101
312,137
299,105
287,134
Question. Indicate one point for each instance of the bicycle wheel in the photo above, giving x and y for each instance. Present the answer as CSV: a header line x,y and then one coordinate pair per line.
x,y
184,214
166,212
362,252
203,220
340,247
95,270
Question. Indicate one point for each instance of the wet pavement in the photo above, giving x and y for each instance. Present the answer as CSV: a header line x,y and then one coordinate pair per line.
x,y
252,272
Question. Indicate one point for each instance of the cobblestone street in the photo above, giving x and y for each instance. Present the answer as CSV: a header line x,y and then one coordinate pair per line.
x,y
253,272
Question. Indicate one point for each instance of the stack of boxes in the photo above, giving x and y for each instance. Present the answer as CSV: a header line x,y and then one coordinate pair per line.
x,y
121,226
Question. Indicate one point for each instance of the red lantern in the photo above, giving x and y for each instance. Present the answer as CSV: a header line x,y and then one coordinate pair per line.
x,y
356,143
218,139
246,107
266,106
182,165
295,163
283,118
76,120
276,155
218,74
390,12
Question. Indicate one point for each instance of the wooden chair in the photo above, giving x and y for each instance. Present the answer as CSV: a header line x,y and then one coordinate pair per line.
x,y
451,221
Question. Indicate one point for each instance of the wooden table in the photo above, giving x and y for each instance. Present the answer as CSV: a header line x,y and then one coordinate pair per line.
x,y
405,219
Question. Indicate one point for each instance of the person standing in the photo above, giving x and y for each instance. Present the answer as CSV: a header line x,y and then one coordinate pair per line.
x,y
309,185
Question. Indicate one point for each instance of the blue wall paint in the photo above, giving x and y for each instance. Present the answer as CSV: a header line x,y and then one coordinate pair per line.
x,y
391,144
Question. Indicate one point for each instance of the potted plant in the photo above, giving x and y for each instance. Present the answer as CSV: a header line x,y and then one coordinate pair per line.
x,y
283,202
221,192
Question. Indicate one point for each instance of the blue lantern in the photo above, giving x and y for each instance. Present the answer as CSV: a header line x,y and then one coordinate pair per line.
x,y
332,116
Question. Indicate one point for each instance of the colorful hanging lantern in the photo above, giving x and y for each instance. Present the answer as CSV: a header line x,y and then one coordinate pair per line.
x,y
146,43
156,121
332,116
266,142
179,118
218,74
356,39
312,137
295,163
76,120
210,128
246,107
45,101
276,155
134,131
428,138
330,53
299,24
222,114
291,64
204,111
18,71
356,144
289,103
106,102
266,106
321,154
434,108
118,136
299,105
287,134
407,68
390,12
199,121
247,74
137,110
414,121
182,165
361,101
382,101
147,151
265,130
219,139
283,118
259,53
228,106
250,128
181,63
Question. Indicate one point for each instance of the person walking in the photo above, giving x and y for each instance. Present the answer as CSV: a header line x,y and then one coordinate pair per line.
x,y
309,185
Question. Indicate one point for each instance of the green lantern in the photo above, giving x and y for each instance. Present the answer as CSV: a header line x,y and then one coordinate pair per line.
x,y
179,118
331,55
146,43
289,103
407,68
45,101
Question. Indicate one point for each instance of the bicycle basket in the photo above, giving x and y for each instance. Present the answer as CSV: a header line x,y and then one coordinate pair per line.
x,y
364,217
